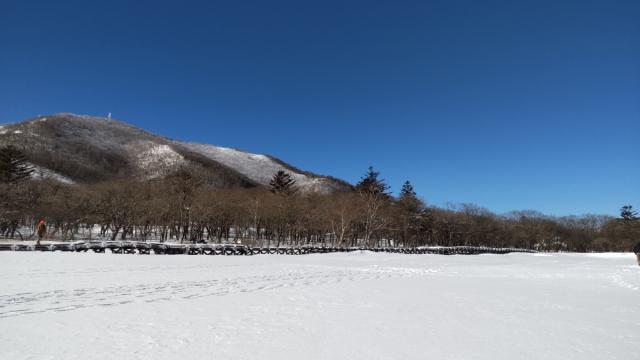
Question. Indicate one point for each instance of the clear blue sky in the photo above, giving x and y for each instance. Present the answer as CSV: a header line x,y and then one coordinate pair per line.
x,y
506,104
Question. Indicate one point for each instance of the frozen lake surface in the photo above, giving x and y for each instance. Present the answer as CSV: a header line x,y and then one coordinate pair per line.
x,y
330,306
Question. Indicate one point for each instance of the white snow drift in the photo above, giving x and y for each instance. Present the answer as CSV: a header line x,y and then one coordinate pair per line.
x,y
338,306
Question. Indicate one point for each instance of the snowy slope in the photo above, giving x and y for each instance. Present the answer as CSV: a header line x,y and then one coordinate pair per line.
x,y
40,172
338,306
259,168
155,160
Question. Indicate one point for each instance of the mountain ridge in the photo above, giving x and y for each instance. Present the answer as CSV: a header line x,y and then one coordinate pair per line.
x,y
85,149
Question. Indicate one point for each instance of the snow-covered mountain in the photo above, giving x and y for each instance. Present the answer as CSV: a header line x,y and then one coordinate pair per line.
x,y
80,148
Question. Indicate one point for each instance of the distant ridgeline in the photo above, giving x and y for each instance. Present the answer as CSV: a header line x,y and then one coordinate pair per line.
x,y
89,178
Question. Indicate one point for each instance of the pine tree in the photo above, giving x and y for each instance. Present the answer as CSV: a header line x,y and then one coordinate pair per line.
x,y
412,214
408,199
407,191
628,214
13,166
282,183
370,184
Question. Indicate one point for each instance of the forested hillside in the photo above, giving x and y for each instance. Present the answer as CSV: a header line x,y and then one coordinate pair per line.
x,y
182,206
87,149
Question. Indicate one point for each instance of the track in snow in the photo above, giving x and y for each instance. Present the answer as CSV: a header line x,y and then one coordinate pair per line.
x,y
68,300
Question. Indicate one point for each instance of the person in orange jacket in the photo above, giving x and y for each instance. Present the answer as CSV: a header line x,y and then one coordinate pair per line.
x,y
41,230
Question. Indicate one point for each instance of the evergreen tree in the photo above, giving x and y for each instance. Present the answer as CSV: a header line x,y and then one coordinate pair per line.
x,y
407,191
408,200
628,214
13,166
412,218
370,184
282,183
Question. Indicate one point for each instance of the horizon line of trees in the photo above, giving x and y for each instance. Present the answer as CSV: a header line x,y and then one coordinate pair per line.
x,y
179,207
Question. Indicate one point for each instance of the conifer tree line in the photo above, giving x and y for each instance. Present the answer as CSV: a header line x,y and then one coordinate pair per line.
x,y
181,208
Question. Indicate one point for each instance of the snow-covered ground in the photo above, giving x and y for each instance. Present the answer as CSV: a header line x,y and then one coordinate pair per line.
x,y
338,306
